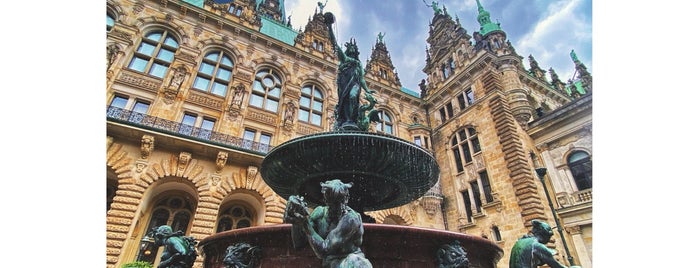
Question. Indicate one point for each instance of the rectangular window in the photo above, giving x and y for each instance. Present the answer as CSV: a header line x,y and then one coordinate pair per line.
x,y
487,192
450,110
462,101
119,102
476,196
426,142
139,111
248,138
467,204
469,96
265,139
207,126
443,114
417,140
187,124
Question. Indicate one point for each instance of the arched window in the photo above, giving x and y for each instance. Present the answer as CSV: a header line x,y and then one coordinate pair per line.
x,y
155,53
385,123
215,73
266,90
234,217
311,105
580,166
110,21
496,233
172,210
464,145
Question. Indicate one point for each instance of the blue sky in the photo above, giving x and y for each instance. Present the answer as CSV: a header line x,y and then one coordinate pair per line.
x,y
546,29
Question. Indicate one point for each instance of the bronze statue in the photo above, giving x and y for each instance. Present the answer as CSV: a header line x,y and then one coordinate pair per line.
x,y
179,250
530,251
349,115
242,255
451,256
334,231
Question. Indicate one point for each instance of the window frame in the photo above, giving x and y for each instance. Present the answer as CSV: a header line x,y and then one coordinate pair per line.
x,y
306,113
463,142
263,94
153,59
213,78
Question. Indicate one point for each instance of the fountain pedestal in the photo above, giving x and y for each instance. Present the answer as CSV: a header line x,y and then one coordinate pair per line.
x,y
384,245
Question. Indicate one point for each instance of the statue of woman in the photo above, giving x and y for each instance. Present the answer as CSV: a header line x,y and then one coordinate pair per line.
x,y
350,81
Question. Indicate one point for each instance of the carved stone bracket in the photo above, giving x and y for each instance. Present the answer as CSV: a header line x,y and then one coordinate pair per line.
x,y
252,172
182,163
147,146
431,203
221,159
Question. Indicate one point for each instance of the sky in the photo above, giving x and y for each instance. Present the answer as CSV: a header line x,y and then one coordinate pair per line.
x,y
546,29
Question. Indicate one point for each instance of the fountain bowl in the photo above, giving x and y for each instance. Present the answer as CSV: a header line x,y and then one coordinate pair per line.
x,y
386,171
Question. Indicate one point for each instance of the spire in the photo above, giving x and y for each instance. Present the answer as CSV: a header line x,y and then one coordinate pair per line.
x,y
487,26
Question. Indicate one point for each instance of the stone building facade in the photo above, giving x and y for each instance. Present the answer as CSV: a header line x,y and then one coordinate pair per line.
x,y
198,92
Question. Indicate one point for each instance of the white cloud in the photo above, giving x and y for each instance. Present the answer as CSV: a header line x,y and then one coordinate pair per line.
x,y
553,37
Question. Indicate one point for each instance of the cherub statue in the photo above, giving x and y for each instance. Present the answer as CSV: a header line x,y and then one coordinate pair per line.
x,y
530,251
179,250
334,231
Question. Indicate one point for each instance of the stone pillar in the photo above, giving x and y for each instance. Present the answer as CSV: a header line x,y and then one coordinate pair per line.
x,y
580,247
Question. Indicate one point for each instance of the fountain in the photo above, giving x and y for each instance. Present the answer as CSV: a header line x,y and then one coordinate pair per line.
x,y
382,172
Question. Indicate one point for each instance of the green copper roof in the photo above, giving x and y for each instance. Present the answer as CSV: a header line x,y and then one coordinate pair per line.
x,y
487,26
197,3
278,31
409,92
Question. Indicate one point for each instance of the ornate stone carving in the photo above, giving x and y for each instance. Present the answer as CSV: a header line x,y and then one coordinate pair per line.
x,y
237,101
137,8
113,52
147,145
261,117
431,203
139,81
172,90
215,180
205,100
289,116
141,165
573,230
221,159
252,172
182,163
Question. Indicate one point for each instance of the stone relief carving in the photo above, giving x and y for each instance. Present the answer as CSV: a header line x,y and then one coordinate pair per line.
x,y
289,115
172,90
221,159
182,163
252,172
147,146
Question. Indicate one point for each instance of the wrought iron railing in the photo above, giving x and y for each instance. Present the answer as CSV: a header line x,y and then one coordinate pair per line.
x,y
184,130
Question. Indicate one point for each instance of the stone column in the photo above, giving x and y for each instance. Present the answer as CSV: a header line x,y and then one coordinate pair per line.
x,y
580,247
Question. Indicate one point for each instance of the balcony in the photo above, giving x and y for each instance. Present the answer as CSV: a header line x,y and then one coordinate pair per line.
x,y
575,198
140,120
